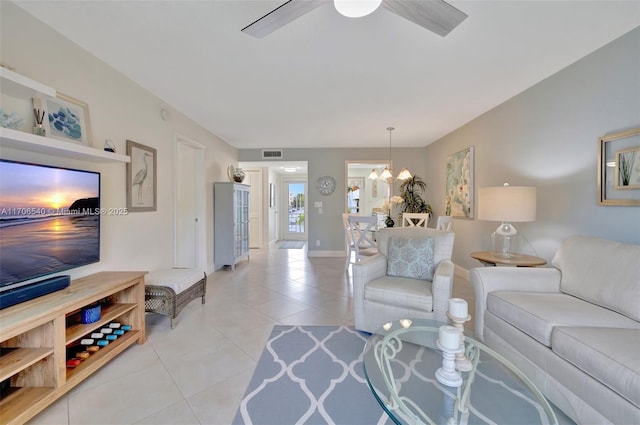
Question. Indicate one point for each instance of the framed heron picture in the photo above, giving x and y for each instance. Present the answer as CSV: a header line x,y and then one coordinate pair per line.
x,y
142,187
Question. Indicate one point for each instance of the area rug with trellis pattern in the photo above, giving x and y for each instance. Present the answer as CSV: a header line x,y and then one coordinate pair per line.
x,y
311,375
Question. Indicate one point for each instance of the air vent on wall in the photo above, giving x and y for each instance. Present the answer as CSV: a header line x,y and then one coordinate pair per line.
x,y
271,153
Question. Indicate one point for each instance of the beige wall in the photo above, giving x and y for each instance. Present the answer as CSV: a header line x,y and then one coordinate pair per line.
x,y
119,110
547,137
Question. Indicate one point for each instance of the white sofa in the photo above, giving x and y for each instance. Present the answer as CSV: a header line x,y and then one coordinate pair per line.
x,y
573,329
379,298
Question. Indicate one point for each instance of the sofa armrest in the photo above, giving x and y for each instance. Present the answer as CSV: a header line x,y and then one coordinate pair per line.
x,y
526,279
366,270
441,288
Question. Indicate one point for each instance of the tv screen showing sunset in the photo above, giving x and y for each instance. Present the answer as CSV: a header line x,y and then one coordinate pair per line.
x,y
49,220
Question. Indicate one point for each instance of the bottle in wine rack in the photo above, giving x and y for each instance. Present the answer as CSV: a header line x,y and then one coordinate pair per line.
x,y
120,326
91,341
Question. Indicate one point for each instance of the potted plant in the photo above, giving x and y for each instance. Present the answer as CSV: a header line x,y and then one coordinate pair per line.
x,y
411,191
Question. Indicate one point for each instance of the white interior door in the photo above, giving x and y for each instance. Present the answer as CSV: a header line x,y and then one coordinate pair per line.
x,y
254,179
189,205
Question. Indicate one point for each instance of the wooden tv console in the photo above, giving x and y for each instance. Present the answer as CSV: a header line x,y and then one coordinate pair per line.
x,y
34,336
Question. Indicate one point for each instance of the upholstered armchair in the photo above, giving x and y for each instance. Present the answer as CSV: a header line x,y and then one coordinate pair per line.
x,y
410,277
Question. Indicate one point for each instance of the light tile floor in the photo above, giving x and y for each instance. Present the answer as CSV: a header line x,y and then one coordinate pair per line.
x,y
197,373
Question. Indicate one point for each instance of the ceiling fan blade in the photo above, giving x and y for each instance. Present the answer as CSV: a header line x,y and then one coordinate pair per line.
x,y
279,17
435,15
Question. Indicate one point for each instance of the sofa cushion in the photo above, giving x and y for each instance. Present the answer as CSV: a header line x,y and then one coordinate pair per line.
x,y
401,292
410,257
603,272
610,355
537,313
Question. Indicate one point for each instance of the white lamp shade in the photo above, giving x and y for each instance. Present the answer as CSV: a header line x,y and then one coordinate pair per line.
x,y
507,203
356,8
373,175
404,174
386,174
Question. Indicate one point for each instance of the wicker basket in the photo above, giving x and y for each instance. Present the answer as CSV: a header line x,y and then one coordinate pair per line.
x,y
164,300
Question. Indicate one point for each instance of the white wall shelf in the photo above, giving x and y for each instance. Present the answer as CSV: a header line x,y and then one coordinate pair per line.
x,y
17,85
15,139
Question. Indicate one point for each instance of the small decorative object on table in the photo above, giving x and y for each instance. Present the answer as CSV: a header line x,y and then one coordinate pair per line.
x,y
90,314
458,314
449,343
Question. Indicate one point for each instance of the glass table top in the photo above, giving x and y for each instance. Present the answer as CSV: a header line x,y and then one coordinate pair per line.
x,y
400,363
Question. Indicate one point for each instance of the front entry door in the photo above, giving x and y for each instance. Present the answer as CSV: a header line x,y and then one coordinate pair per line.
x,y
295,226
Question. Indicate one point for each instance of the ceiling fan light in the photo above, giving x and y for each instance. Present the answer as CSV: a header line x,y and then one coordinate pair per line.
x,y
404,174
356,8
373,175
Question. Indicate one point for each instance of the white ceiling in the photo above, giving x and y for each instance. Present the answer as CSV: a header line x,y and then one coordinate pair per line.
x,y
329,81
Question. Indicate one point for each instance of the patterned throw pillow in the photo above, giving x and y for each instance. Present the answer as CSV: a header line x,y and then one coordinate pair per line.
x,y
410,257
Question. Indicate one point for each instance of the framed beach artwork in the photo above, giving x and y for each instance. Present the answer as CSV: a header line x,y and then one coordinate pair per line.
x,y
142,179
66,118
619,168
459,181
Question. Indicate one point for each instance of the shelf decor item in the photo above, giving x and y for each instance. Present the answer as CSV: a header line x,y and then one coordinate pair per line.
x,y
90,314
66,118
11,120
38,129
142,186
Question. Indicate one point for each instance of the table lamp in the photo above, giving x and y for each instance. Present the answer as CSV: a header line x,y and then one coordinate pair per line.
x,y
506,204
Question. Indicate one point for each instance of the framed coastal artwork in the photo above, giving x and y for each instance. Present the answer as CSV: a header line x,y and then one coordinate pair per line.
x,y
65,118
619,168
459,196
142,179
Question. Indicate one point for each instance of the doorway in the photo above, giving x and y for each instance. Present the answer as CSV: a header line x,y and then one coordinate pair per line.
x,y
189,198
366,195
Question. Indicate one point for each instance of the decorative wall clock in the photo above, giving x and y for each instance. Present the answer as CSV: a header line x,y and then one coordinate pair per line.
x,y
326,185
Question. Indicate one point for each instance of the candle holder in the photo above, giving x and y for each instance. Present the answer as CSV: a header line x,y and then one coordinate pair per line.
x,y
463,364
447,374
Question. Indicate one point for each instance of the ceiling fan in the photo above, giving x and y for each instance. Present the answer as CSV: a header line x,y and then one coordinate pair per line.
x,y
435,15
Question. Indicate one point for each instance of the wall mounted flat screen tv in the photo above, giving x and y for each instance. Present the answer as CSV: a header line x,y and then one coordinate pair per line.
x,y
49,221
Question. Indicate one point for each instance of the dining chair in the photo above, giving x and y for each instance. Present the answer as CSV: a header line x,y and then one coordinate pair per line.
x,y
363,230
348,238
415,219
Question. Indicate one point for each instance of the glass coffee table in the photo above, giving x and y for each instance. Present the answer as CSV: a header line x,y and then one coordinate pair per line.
x,y
400,363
